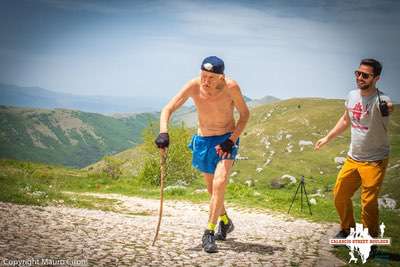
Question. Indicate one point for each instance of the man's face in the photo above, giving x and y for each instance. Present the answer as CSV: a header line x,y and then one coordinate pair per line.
x,y
210,81
365,77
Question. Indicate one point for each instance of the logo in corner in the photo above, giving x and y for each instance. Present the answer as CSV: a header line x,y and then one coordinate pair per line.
x,y
361,242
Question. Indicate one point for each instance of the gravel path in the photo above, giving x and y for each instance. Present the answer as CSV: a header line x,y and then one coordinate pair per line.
x,y
62,236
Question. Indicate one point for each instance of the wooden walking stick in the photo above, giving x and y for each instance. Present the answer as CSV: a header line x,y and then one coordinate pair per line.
x,y
163,159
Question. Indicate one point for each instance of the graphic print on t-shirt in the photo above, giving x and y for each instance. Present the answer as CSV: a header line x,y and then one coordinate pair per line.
x,y
358,112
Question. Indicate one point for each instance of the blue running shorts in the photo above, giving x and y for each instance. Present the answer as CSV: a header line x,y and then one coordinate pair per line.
x,y
204,155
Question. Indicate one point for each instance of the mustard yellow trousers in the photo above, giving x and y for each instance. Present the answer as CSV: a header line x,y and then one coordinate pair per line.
x,y
368,175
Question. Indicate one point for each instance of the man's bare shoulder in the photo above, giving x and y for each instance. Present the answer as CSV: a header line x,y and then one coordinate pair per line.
x,y
192,86
232,85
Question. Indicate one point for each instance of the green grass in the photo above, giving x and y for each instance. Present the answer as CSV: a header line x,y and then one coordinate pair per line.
x,y
38,184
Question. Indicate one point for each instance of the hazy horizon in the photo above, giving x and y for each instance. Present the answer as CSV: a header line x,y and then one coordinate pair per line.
x,y
283,49
117,96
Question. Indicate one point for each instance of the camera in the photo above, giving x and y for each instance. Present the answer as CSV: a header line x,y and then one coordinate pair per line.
x,y
383,107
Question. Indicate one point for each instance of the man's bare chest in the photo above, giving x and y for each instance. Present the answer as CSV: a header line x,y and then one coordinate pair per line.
x,y
222,104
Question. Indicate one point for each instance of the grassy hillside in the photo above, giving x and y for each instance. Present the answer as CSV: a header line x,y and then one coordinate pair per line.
x,y
66,137
187,115
275,143
275,134
262,101
131,162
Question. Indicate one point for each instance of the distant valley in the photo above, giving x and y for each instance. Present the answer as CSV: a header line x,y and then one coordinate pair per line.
x,y
67,137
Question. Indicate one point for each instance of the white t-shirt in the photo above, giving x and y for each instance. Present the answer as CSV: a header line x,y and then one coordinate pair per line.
x,y
369,129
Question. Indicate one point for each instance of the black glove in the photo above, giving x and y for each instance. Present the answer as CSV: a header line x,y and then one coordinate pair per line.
x,y
227,145
162,141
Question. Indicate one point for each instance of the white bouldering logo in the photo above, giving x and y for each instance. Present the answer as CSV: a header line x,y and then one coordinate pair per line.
x,y
361,242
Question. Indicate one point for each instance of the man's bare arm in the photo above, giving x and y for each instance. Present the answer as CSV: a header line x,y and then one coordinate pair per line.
x,y
243,110
342,124
176,102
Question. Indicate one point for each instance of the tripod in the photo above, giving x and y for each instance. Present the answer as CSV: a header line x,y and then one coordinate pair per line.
x,y
301,185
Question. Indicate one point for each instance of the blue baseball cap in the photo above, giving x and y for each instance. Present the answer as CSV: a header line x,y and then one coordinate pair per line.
x,y
213,64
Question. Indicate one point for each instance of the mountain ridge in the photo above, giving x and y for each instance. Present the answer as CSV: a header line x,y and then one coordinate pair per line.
x,y
67,137
37,97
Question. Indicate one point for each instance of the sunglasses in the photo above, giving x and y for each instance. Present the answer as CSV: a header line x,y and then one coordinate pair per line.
x,y
364,75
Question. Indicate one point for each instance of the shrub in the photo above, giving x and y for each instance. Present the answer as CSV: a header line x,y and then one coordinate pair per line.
x,y
179,157
112,167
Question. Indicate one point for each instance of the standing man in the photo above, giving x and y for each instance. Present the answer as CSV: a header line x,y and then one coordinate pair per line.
x,y
367,112
216,144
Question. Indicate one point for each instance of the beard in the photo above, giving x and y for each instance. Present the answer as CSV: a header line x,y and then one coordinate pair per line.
x,y
363,86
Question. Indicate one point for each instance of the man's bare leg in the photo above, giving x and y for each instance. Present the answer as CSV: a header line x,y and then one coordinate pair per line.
x,y
218,189
209,178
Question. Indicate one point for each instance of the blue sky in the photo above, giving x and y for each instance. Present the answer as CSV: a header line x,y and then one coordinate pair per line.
x,y
151,48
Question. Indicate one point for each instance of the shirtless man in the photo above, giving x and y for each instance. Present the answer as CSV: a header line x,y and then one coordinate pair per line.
x,y
216,143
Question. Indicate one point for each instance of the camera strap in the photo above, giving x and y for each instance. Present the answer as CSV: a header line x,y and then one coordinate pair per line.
x,y
379,97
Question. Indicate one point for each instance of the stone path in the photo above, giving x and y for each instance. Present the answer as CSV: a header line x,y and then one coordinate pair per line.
x,y
78,237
